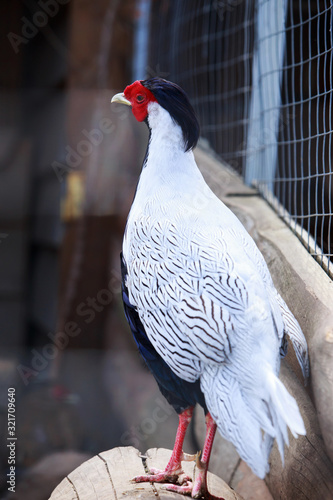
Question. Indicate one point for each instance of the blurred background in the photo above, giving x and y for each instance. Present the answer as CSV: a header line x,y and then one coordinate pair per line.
x,y
69,163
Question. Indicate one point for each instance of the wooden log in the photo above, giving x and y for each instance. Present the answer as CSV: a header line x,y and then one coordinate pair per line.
x,y
307,472
107,476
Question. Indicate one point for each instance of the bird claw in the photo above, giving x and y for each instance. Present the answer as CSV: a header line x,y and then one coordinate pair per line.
x,y
196,488
178,481
158,476
183,489
163,476
200,466
194,491
173,472
186,457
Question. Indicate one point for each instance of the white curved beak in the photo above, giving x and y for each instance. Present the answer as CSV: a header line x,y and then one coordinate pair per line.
x,y
121,99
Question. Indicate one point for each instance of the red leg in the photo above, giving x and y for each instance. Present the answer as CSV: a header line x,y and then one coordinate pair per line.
x,y
199,488
174,467
200,484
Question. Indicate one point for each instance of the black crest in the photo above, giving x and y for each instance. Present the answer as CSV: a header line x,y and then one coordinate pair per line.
x,y
172,98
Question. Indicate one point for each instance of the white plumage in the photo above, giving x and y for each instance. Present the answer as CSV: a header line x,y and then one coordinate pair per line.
x,y
206,299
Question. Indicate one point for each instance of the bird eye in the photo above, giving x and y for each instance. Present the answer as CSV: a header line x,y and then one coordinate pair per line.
x,y
140,98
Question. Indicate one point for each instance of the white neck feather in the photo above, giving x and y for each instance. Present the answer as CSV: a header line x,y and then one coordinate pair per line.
x,y
167,160
165,133
170,177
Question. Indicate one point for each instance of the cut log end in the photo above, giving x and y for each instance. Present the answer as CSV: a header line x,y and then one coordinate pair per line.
x,y
107,476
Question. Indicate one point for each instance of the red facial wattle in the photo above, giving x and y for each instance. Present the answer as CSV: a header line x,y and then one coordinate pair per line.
x,y
139,97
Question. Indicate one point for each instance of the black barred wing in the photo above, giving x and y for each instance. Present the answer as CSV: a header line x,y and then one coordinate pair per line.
x,y
188,295
294,332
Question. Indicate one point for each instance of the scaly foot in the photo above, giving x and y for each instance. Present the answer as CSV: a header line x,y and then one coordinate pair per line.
x,y
173,472
198,489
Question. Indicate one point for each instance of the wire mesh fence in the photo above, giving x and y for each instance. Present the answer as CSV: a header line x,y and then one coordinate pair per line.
x,y
259,73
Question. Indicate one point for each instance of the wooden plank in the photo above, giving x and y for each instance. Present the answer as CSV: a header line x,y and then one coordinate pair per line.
x,y
308,471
